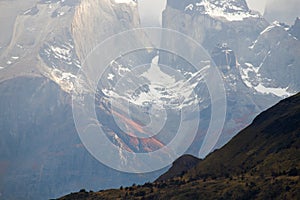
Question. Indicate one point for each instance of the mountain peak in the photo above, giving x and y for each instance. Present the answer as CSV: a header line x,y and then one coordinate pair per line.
x,y
295,29
230,10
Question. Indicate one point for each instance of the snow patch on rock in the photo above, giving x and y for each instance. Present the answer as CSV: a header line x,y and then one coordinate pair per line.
x,y
222,9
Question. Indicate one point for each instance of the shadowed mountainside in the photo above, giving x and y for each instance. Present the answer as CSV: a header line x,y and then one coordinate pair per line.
x,y
179,167
261,162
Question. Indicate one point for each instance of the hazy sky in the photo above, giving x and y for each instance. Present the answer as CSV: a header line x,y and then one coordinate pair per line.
x,y
283,10
150,11
258,5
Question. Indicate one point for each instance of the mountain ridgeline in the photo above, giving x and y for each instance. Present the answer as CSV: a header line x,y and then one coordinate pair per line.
x,y
261,162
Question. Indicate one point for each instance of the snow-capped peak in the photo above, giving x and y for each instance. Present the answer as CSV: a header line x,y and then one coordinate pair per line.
x,y
230,10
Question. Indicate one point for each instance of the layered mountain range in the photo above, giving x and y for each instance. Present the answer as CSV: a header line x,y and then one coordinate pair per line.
x,y
41,153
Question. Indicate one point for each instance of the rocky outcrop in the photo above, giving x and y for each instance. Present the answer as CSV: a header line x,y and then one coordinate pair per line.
x,y
276,55
223,56
228,6
295,29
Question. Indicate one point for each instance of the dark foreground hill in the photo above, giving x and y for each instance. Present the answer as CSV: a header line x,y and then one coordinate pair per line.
x,y
261,162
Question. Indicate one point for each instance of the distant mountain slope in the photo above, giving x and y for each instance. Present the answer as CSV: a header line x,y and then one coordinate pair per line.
x,y
261,162
41,155
179,167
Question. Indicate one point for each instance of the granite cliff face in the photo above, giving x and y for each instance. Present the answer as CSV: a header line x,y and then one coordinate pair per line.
x,y
100,20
